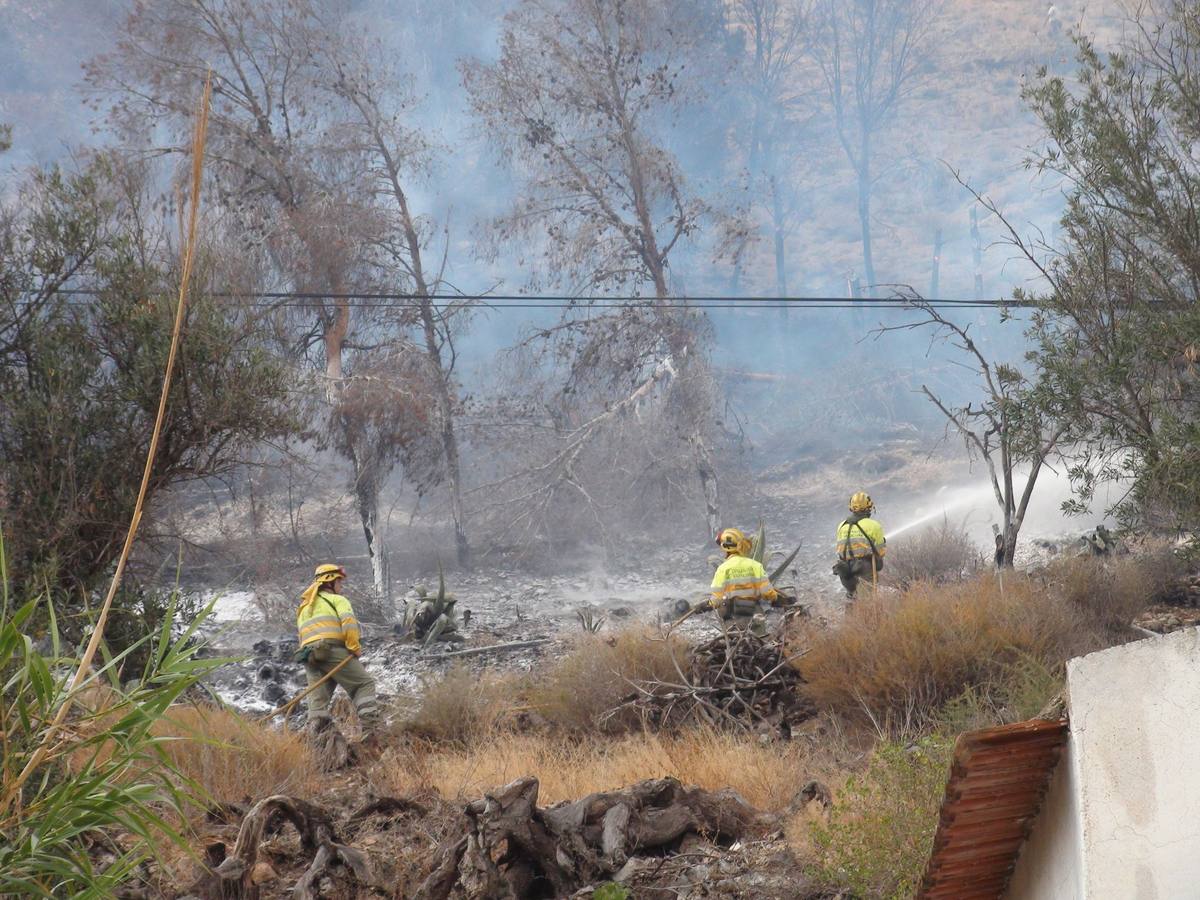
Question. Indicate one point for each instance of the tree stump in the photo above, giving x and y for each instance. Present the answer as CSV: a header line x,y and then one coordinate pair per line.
x,y
330,745
511,847
234,874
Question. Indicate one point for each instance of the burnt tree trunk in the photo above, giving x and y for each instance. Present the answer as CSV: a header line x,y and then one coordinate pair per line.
x,y
234,876
777,216
676,334
367,497
512,847
935,268
433,348
447,434
864,216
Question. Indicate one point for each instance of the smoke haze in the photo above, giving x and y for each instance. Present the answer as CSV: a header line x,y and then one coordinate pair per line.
x,y
812,380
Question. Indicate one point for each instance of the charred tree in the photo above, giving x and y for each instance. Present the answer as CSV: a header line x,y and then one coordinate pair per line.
x,y
872,54
298,193
1014,428
397,153
777,32
575,98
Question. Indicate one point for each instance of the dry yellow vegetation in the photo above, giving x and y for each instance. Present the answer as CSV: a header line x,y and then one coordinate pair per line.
x,y
903,656
767,775
234,758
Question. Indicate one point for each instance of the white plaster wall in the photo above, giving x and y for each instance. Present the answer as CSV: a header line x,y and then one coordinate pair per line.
x,y
1135,736
1050,865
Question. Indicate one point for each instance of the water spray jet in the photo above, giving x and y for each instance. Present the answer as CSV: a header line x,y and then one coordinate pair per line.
x,y
961,497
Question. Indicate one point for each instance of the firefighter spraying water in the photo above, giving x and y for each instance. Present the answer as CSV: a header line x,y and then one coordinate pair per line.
x,y
861,545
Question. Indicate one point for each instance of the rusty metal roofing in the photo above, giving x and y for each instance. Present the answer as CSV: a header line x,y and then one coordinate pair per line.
x,y
997,783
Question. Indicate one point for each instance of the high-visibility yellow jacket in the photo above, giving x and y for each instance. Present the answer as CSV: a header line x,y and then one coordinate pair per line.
x,y
328,618
852,539
741,577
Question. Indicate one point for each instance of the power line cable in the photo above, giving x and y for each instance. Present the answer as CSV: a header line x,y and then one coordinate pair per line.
x,y
397,300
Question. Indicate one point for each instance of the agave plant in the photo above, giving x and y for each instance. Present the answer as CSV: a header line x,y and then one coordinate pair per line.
x,y
439,604
758,551
105,772
590,620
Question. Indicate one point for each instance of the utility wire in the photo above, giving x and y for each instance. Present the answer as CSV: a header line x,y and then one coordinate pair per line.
x,y
310,299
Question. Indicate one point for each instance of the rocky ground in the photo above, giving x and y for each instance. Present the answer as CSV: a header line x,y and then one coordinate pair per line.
x,y
504,609
1182,610
499,607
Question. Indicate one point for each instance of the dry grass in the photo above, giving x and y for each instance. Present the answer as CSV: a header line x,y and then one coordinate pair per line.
x,y
942,553
766,775
897,659
593,678
462,707
1112,591
232,758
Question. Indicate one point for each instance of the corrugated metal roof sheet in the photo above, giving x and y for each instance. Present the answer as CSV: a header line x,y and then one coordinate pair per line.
x,y
997,783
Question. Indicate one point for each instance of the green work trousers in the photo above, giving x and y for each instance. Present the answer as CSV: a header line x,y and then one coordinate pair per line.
x,y
739,607
352,677
859,569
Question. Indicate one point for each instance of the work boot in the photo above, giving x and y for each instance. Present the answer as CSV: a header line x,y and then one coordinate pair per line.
x,y
370,745
317,725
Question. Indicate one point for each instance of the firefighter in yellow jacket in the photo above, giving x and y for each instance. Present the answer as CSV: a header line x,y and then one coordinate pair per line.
x,y
861,545
741,582
329,634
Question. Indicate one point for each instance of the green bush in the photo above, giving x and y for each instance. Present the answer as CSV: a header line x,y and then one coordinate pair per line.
x,y
106,771
881,825
1021,690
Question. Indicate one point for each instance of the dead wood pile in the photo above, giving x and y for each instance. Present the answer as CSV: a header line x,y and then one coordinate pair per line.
x,y
321,862
231,874
739,680
511,848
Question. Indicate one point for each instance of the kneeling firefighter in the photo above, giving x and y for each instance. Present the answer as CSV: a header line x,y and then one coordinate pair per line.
x,y
860,544
329,635
741,582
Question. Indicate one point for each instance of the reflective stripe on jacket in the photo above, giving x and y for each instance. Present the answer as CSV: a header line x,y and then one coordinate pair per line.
x,y
741,577
328,618
852,540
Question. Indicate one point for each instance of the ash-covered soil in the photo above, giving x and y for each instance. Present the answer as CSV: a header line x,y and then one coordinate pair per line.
x,y
504,607
800,500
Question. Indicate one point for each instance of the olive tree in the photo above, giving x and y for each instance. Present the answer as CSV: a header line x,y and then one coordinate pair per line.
x,y
81,373
1117,329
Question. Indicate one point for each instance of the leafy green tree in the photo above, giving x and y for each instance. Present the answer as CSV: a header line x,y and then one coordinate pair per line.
x,y
87,296
1117,331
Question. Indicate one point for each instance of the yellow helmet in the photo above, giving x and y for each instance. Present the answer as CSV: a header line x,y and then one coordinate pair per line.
x,y
329,572
861,503
732,540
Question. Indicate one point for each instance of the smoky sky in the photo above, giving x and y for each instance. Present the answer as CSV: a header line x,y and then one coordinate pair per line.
x,y
966,115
